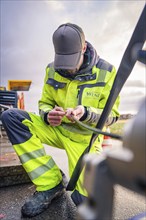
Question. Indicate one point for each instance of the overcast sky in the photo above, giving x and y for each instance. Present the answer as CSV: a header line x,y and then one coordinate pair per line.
x,y
26,40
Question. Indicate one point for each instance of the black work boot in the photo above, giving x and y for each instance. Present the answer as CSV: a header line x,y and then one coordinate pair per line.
x,y
41,200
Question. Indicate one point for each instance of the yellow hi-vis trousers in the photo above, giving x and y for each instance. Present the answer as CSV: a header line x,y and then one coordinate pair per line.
x,y
41,168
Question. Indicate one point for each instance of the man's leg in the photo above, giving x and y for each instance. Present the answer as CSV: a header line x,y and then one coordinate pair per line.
x,y
40,167
74,151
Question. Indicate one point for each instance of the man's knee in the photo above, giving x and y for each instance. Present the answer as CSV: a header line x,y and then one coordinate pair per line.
x,y
12,121
6,115
14,114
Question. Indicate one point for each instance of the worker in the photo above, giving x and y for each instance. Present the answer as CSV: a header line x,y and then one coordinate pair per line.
x,y
77,83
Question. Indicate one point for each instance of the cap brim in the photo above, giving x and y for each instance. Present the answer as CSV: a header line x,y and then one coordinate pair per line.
x,y
66,61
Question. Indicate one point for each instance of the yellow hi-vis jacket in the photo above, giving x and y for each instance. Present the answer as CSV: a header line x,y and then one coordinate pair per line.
x,y
90,90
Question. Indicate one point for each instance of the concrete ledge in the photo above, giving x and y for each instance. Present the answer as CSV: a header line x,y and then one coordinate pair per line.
x,y
13,175
11,170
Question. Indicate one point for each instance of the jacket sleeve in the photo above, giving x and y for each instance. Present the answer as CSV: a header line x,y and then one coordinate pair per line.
x,y
93,114
46,103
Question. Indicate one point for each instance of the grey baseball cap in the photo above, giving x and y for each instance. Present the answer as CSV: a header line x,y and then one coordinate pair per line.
x,y
68,42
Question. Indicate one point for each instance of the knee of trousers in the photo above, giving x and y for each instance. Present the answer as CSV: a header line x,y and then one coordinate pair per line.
x,y
5,116
12,121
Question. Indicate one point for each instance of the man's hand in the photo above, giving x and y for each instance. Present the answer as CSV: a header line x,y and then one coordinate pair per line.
x,y
55,116
77,112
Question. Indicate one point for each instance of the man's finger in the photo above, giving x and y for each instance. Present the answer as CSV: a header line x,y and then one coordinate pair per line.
x,y
54,118
57,108
77,112
69,111
57,113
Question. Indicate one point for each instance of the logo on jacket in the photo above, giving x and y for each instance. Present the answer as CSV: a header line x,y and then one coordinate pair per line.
x,y
93,94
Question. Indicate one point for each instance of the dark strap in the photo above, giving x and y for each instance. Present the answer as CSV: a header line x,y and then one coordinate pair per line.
x,y
127,63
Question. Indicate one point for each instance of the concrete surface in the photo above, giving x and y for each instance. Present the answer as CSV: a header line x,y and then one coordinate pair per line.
x,y
12,198
126,203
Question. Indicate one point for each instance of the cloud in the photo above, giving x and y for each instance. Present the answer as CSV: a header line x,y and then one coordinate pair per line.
x,y
116,28
130,105
55,5
26,38
135,83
